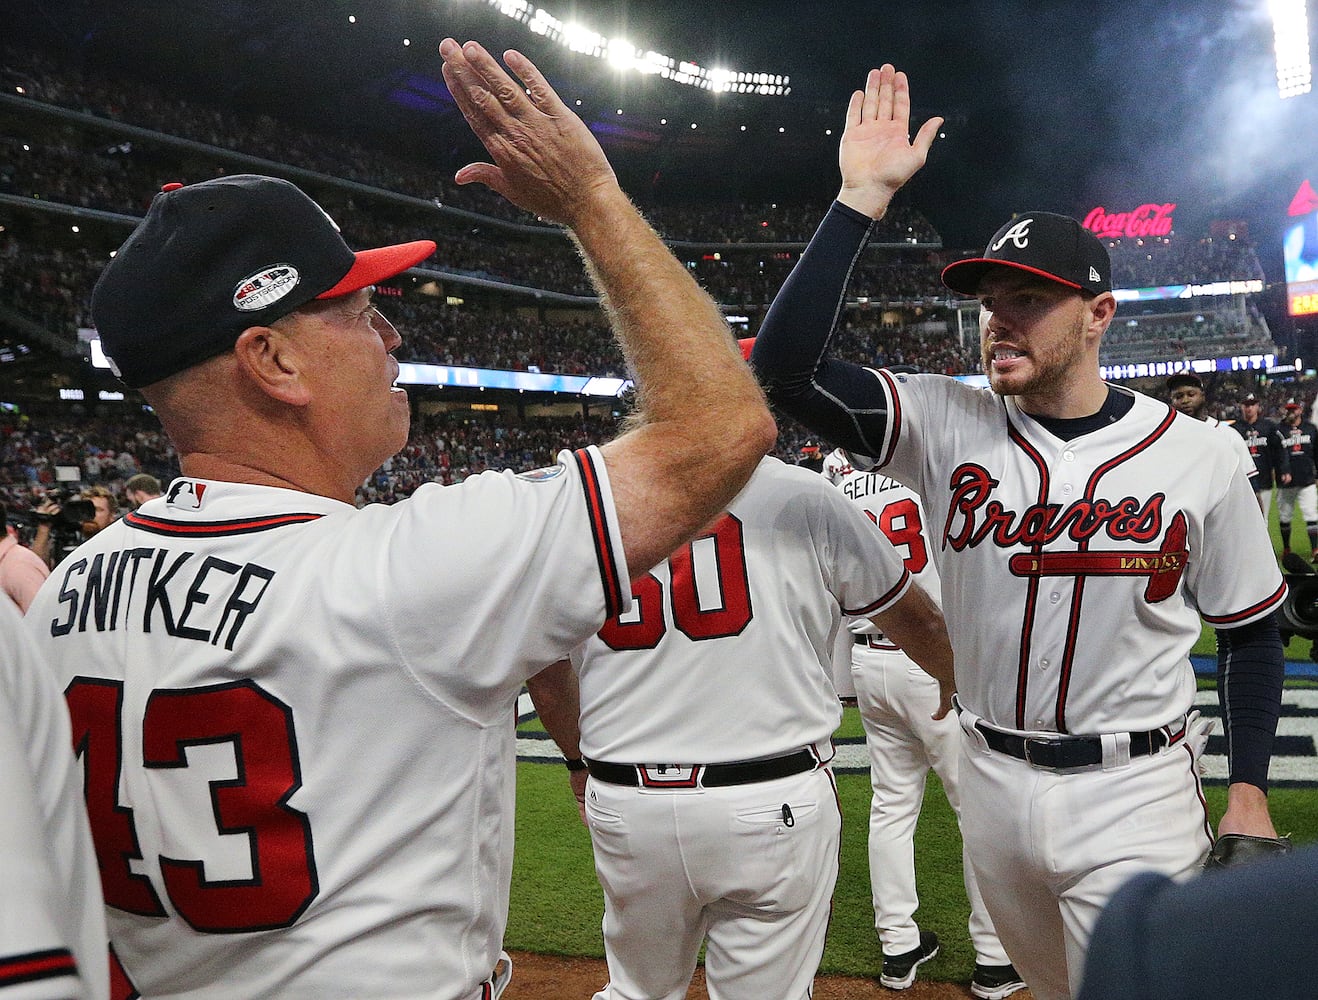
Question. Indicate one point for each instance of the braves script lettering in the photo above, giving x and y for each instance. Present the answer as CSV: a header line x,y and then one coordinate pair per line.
x,y
1147,220
975,516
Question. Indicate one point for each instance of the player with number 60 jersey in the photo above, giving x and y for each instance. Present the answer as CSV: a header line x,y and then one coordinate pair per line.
x,y
706,720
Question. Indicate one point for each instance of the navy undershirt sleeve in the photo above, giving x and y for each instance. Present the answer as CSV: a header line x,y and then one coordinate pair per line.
x,y
840,401
1250,670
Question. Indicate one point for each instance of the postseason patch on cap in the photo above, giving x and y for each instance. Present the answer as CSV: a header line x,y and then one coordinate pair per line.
x,y
265,287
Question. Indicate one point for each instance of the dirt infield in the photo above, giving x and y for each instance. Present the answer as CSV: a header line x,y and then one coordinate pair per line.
x,y
553,977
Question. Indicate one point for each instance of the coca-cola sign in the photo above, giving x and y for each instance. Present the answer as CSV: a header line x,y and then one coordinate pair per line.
x,y
1147,220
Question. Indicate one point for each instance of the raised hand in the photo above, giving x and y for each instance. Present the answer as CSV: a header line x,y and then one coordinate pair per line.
x,y
545,158
877,155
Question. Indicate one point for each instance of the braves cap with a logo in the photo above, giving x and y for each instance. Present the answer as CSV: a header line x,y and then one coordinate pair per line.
x,y
212,259
1052,246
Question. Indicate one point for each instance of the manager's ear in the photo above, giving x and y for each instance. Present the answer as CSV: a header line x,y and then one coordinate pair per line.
x,y
268,358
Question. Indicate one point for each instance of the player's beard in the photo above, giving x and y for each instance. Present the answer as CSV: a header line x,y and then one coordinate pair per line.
x,y
1053,362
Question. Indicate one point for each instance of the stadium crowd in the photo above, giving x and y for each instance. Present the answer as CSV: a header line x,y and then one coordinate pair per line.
x,y
107,445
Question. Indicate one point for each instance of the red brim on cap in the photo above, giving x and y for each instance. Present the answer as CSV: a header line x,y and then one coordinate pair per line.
x,y
972,269
373,266
747,344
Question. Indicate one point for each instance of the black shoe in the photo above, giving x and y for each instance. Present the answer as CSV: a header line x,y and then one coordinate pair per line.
x,y
993,982
899,970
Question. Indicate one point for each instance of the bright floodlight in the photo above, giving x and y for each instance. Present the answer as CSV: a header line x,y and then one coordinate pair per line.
x,y
1290,27
624,55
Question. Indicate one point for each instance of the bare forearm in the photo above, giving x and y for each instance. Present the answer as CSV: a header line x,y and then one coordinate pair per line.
x,y
557,700
691,384
916,624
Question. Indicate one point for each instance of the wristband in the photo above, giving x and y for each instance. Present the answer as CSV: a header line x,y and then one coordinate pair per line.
x,y
575,763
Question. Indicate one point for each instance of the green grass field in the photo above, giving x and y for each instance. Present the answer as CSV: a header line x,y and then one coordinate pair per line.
x,y
557,903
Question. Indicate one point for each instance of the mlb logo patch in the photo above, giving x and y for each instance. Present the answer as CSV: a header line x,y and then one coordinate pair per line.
x,y
185,494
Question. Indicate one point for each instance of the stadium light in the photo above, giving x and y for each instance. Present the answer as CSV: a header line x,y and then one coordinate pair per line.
x,y
625,56
1290,26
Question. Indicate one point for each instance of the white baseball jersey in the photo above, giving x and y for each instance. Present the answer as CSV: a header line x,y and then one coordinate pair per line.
x,y
52,921
894,509
297,721
1238,445
1049,550
726,653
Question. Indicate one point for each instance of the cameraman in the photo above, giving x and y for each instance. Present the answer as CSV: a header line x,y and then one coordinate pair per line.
x,y
22,571
63,525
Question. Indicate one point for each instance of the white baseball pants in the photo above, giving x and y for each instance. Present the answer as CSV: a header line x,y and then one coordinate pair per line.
x,y
1305,496
1051,848
896,700
748,869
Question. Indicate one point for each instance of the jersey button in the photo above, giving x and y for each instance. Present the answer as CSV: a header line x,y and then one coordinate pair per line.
x,y
1054,597
1068,456
1045,664
1067,488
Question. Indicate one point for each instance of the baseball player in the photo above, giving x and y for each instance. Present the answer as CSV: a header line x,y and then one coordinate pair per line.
x,y
52,919
1186,391
1297,439
294,716
706,716
897,701
1264,443
1082,531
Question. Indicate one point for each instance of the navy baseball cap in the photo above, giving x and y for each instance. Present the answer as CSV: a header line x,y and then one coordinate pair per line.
x,y
1052,246
1181,379
212,259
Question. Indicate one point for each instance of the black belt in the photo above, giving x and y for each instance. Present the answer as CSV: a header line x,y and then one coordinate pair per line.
x,y
1062,753
873,641
703,775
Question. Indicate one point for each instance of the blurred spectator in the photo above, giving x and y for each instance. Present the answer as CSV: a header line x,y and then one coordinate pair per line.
x,y
141,488
60,531
22,571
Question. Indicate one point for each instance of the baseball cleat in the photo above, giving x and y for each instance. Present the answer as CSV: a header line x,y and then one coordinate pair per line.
x,y
899,970
993,982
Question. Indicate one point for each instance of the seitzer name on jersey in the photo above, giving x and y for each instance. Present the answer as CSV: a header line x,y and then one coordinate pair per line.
x,y
150,585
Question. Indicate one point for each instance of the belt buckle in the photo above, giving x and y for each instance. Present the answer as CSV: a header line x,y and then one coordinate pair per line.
x,y
1044,741
670,775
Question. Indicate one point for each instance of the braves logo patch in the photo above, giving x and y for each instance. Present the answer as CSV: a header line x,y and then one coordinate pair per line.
x,y
541,475
185,494
1018,234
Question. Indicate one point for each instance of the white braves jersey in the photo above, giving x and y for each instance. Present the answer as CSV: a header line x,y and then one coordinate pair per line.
x,y
894,509
726,653
1238,445
297,721
52,921
1075,573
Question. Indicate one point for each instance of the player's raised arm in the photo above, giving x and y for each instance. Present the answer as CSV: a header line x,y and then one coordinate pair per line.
x,y
666,481
877,156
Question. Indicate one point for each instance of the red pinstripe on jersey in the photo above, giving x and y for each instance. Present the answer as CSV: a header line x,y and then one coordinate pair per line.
x,y
213,529
894,416
33,965
1073,629
599,526
1032,584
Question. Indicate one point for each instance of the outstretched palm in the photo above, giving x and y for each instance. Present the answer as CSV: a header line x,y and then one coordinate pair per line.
x,y
877,155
